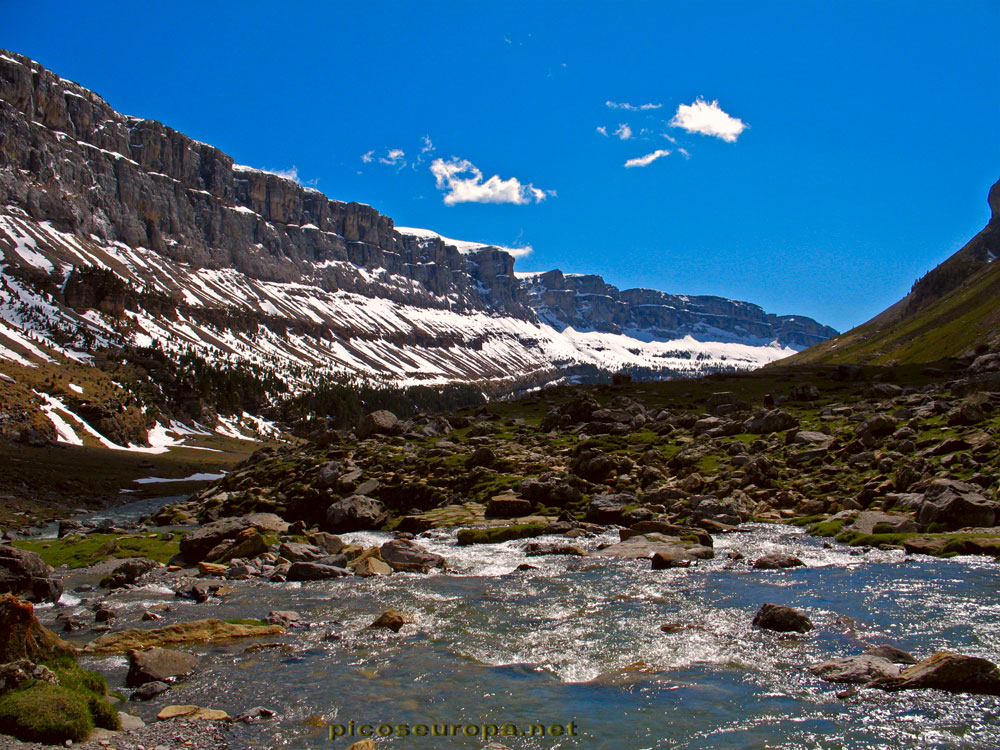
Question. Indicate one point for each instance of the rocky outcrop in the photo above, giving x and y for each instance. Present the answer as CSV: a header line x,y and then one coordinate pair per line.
x,y
586,302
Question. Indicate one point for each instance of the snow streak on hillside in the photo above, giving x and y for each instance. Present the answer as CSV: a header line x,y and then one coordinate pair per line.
x,y
303,330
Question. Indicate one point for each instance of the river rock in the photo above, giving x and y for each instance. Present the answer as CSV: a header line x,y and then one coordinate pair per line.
x,y
355,513
149,690
369,566
949,505
298,552
286,618
893,654
665,560
158,665
192,713
129,572
777,561
407,555
331,543
782,619
644,546
196,545
23,637
948,671
255,714
311,571
855,669
197,631
25,574
390,620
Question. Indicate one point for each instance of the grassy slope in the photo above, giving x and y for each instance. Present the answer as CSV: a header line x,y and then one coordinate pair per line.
x,y
959,320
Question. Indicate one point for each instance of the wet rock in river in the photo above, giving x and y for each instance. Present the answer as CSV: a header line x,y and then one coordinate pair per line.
x,y
893,654
406,555
149,690
158,665
782,619
948,671
129,572
390,620
197,631
856,669
777,561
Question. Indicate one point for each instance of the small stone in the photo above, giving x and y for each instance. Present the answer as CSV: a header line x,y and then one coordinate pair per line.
x,y
782,619
391,620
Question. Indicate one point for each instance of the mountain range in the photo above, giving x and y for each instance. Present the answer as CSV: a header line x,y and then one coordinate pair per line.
x,y
118,231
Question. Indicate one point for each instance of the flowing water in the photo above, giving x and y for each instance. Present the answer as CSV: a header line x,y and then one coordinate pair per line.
x,y
579,640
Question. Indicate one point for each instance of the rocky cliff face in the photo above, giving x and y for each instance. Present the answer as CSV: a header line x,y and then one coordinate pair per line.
x,y
586,302
116,229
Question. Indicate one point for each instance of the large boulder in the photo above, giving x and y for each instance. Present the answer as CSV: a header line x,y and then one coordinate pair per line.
x,y
764,423
158,665
782,619
23,637
951,672
25,574
129,572
405,555
381,422
950,505
197,544
355,513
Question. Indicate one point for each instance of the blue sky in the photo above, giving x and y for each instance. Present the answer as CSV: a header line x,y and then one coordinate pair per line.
x,y
840,150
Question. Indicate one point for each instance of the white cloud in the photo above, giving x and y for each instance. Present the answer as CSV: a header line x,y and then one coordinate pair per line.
x,y
644,161
367,158
624,131
685,152
708,118
428,145
631,107
288,174
396,157
602,130
464,183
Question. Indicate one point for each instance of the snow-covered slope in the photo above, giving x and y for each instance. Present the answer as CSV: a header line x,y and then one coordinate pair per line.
x,y
115,230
